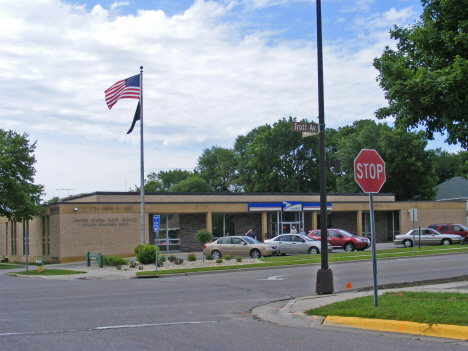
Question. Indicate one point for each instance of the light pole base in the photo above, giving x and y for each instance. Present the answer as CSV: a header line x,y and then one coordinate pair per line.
x,y
324,283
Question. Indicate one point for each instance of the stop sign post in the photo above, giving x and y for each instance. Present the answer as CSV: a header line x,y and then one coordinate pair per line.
x,y
369,173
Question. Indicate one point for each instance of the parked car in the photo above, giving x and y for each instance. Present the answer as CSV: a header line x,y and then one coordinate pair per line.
x,y
341,239
428,236
238,246
450,228
296,244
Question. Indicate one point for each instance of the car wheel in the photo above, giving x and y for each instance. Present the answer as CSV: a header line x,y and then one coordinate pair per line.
x,y
407,243
349,247
255,253
313,250
216,254
446,242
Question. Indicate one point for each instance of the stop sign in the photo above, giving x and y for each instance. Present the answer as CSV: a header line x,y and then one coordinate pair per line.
x,y
369,171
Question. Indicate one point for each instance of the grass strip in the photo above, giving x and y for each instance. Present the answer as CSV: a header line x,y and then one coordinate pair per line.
x,y
9,266
46,272
431,308
276,261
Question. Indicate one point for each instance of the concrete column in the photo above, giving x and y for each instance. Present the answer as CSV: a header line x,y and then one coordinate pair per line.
x,y
264,226
314,220
209,222
359,222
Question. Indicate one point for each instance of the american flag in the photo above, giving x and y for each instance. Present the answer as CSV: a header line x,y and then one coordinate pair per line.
x,y
124,89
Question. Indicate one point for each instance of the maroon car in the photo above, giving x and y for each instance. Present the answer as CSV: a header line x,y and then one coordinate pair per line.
x,y
341,239
450,228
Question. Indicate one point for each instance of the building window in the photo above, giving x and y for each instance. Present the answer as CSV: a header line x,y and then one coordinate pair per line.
x,y
393,224
366,224
13,239
223,224
45,236
168,237
329,221
25,237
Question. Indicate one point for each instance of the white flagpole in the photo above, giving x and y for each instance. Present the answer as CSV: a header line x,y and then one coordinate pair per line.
x,y
142,166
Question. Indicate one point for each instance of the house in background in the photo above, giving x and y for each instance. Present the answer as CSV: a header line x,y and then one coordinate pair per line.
x,y
453,189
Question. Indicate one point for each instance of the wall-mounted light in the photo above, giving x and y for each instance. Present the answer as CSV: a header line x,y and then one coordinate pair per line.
x,y
76,209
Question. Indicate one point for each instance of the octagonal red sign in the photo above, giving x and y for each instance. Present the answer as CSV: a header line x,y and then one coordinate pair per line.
x,y
369,171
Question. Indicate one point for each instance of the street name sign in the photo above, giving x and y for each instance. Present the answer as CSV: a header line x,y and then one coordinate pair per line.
x,y
312,128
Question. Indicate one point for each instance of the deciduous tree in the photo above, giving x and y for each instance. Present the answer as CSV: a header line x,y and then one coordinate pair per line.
x,y
19,196
425,79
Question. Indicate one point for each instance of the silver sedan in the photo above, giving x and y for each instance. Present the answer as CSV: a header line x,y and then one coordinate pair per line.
x,y
428,237
296,244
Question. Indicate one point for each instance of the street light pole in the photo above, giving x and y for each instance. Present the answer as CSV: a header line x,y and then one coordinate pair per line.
x,y
324,283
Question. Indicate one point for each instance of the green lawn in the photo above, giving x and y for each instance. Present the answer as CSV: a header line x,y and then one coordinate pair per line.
x,y
10,265
333,257
431,308
47,272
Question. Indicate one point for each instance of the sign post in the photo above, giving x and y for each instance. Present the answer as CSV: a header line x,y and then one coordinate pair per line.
x,y
156,229
369,173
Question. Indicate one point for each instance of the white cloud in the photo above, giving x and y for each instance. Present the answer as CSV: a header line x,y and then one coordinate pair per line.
x,y
118,4
205,83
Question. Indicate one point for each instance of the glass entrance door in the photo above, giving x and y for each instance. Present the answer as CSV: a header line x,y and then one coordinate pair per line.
x,y
291,221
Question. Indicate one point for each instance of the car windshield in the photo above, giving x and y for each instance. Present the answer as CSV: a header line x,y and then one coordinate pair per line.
x,y
250,240
345,233
463,227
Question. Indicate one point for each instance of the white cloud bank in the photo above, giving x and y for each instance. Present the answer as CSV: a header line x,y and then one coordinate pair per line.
x,y
204,84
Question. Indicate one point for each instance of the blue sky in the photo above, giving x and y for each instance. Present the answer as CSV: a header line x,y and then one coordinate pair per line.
x,y
213,70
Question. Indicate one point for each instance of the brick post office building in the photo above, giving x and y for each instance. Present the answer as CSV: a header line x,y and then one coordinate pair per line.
x,y
109,222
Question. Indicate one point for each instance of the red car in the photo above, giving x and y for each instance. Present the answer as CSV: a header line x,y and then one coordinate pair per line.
x,y
341,239
450,228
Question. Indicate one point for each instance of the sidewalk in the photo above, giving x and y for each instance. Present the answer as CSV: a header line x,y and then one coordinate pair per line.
x,y
291,313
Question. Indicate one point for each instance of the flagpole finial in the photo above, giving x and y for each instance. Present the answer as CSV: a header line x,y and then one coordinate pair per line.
x,y
141,67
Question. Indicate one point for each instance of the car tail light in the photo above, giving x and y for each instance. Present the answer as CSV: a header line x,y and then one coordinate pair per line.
x,y
204,246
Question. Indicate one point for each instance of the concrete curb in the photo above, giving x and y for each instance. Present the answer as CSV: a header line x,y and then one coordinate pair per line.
x,y
437,330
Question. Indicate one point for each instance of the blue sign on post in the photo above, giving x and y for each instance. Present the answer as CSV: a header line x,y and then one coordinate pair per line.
x,y
156,223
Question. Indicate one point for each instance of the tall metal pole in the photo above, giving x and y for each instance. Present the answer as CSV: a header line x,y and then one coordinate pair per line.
x,y
142,162
324,283
26,224
374,254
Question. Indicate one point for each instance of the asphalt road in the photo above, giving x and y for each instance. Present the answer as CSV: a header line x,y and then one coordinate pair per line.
x,y
199,312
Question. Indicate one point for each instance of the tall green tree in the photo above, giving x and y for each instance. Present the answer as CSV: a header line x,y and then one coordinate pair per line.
x,y
274,159
163,181
193,184
19,196
410,169
425,79
449,165
218,167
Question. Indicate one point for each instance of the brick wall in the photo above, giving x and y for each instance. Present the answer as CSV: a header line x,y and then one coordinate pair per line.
x,y
346,221
246,221
190,224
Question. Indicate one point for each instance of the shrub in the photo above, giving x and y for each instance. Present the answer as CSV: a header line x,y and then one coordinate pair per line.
x,y
191,257
219,260
138,248
146,254
239,259
227,258
203,236
172,258
209,257
161,258
113,260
